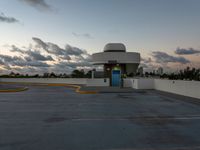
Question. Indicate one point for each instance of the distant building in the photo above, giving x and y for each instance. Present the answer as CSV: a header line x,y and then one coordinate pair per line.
x,y
117,62
160,71
140,71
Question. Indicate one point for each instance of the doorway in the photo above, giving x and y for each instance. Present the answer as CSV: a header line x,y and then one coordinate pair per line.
x,y
116,78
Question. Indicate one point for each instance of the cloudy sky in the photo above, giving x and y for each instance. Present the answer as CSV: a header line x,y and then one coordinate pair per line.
x,y
60,35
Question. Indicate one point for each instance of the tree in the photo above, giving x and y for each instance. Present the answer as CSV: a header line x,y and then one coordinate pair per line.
x,y
88,74
78,74
52,75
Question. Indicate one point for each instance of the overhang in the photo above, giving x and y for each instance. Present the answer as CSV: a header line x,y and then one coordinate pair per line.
x,y
113,57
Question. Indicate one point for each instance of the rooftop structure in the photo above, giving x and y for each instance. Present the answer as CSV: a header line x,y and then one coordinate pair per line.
x,y
117,62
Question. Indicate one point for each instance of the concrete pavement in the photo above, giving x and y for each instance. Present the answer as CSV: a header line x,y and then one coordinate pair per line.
x,y
57,118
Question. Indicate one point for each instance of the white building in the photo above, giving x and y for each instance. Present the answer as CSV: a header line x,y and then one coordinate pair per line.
x,y
160,71
140,71
117,62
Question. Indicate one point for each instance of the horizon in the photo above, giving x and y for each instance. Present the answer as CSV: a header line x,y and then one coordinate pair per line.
x,y
60,36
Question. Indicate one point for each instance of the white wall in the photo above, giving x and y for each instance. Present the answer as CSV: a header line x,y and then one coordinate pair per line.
x,y
140,83
46,80
145,83
80,81
128,82
98,82
186,88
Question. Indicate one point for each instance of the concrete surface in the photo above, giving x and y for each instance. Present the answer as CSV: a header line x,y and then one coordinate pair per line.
x,y
10,87
107,89
57,118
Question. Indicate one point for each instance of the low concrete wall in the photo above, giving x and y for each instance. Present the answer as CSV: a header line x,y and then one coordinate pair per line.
x,y
139,83
186,88
98,82
145,83
80,81
128,82
46,80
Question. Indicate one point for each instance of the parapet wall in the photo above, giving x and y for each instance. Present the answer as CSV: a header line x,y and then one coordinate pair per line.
x,y
79,81
46,80
185,88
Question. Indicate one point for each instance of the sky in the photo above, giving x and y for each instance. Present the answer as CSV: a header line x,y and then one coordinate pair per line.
x,y
40,36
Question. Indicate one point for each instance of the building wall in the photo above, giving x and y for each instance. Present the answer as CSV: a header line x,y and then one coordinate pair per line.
x,y
185,88
119,57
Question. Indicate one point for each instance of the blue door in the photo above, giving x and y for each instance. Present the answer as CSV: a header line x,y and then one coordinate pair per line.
x,y
116,78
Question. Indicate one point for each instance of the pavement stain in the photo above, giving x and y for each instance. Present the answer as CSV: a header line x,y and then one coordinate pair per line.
x,y
55,119
9,145
168,136
154,120
125,96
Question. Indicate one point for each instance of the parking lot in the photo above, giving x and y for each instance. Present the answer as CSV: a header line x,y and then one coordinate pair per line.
x,y
57,118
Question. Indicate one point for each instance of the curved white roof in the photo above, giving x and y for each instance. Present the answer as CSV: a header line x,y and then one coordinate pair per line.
x,y
115,47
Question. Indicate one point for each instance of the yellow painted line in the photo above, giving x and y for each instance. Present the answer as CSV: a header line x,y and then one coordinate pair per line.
x,y
14,90
76,87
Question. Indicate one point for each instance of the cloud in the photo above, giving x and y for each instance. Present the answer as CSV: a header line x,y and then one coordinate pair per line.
x,y
45,57
31,55
35,55
20,62
51,48
23,63
56,50
85,35
189,51
40,43
6,19
162,57
70,66
149,64
74,50
16,49
7,58
1,62
146,60
41,5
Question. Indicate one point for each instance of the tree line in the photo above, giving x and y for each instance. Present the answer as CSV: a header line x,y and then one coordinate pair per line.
x,y
74,74
185,74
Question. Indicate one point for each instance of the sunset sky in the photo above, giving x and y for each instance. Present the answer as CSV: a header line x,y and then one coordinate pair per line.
x,y
38,36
